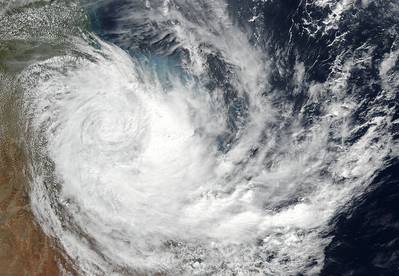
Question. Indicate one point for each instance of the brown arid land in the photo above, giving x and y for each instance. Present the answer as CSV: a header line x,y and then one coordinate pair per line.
x,y
24,248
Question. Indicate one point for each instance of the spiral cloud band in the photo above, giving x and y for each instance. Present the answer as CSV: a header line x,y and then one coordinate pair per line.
x,y
140,166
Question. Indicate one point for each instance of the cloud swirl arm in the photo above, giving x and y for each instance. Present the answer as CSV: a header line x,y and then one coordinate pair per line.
x,y
169,148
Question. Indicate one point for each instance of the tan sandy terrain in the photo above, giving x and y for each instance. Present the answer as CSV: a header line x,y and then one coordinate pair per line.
x,y
24,248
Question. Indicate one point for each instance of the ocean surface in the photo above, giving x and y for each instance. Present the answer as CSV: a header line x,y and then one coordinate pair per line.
x,y
193,137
